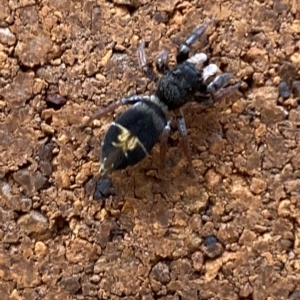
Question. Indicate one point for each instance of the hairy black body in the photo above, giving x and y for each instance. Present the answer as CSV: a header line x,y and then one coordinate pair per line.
x,y
178,86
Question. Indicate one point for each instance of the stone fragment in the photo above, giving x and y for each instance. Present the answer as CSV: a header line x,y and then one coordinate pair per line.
x,y
295,295
295,27
106,58
91,68
212,248
46,152
26,204
81,251
5,189
296,88
258,186
35,49
288,72
246,290
213,179
62,179
207,229
295,58
5,11
47,129
56,100
247,238
197,259
40,249
161,272
165,247
39,181
15,295
292,186
101,265
272,114
3,58
34,222
20,90
46,168
25,273
68,57
238,107
84,173
25,179
11,237
284,90
89,188
95,278
210,240
195,199
90,289
70,284
7,37
227,234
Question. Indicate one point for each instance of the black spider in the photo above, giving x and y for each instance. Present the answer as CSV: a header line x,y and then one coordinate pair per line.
x,y
134,133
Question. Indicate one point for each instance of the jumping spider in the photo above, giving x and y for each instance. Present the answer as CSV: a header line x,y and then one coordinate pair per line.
x,y
133,134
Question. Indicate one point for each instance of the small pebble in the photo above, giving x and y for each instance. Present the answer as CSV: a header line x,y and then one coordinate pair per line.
x,y
161,272
284,90
212,248
95,278
209,240
56,99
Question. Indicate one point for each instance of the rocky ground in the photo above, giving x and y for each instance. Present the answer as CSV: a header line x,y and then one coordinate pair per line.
x,y
230,232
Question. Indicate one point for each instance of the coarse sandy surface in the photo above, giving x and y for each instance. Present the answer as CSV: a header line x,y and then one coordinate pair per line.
x,y
232,231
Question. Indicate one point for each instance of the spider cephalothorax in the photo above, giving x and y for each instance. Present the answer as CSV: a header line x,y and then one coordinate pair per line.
x,y
133,133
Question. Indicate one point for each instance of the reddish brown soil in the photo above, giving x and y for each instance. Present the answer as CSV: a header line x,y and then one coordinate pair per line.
x,y
230,232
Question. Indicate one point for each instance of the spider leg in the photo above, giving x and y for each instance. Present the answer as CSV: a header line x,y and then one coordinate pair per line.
x,y
209,71
183,132
161,62
164,143
226,92
202,95
113,106
219,82
184,48
143,62
219,88
204,99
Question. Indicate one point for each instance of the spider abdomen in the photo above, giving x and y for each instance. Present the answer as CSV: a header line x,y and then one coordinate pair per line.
x,y
132,136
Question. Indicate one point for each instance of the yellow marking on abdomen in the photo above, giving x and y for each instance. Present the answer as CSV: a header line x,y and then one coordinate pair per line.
x,y
127,141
